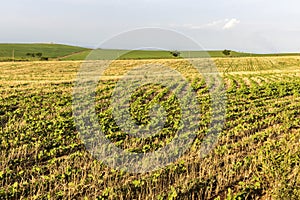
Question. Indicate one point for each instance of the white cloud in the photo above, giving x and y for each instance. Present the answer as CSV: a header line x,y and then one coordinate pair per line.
x,y
222,24
215,24
187,26
231,23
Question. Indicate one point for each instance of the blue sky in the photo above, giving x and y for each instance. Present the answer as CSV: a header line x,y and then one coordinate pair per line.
x,y
244,25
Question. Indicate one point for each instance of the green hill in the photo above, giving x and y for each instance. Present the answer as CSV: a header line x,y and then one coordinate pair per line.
x,y
31,52
101,54
36,51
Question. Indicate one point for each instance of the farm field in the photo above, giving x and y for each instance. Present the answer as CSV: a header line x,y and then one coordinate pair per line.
x,y
256,156
37,52
150,54
30,52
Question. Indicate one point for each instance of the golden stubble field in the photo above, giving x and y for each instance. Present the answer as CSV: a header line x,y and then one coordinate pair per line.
x,y
256,156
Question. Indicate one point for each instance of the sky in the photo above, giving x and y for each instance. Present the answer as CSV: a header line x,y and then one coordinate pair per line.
x,y
258,26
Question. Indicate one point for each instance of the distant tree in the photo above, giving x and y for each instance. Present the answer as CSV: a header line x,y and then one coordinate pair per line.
x,y
44,58
39,54
30,54
226,52
175,53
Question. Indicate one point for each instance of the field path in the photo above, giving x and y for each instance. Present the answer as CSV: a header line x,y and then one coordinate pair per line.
x,y
72,54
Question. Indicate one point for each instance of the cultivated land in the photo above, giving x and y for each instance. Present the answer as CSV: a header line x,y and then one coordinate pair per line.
x,y
30,52
36,52
148,54
256,157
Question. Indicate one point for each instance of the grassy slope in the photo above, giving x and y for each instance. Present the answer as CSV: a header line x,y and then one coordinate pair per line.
x,y
143,54
66,52
103,54
48,50
76,56
148,54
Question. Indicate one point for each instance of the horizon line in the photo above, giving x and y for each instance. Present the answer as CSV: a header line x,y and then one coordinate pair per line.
x,y
125,49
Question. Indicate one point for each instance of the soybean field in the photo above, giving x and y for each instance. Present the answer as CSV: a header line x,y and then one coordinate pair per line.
x,y
256,155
